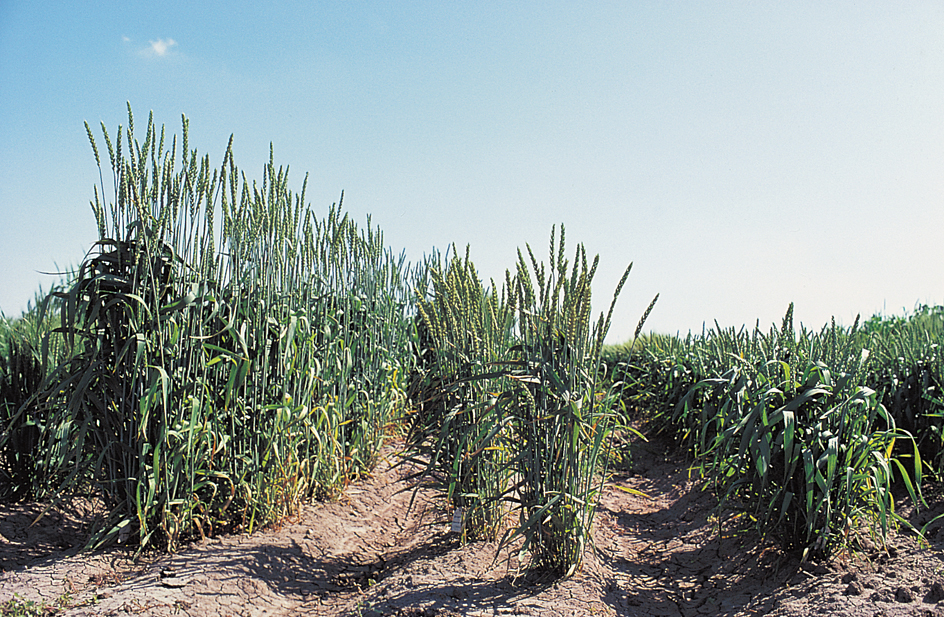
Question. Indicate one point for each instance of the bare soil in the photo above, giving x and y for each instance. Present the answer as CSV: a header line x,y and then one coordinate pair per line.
x,y
369,554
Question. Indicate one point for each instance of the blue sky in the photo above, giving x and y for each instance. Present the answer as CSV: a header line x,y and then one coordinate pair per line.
x,y
743,155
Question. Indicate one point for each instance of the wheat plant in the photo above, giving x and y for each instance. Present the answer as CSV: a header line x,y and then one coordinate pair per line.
x,y
228,352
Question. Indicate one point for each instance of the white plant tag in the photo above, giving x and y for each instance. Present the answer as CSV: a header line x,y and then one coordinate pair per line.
x,y
124,531
457,521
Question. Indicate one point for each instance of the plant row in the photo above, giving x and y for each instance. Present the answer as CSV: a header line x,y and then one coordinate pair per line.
x,y
807,432
513,420
220,355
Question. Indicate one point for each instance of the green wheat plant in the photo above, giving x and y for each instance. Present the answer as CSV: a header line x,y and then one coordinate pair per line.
x,y
228,352
789,427
29,345
802,453
907,370
20,376
458,429
515,418
560,414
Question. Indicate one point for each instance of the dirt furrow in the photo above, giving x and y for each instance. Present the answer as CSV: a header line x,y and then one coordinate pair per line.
x,y
658,551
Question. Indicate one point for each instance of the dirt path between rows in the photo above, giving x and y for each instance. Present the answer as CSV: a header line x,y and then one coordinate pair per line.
x,y
366,554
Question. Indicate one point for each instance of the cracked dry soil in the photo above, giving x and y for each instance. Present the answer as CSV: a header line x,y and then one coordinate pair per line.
x,y
368,554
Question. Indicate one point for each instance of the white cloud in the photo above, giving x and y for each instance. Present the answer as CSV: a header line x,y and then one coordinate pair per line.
x,y
160,47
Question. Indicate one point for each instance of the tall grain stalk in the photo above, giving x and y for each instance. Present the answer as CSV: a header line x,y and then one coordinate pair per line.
x,y
231,354
560,417
457,430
